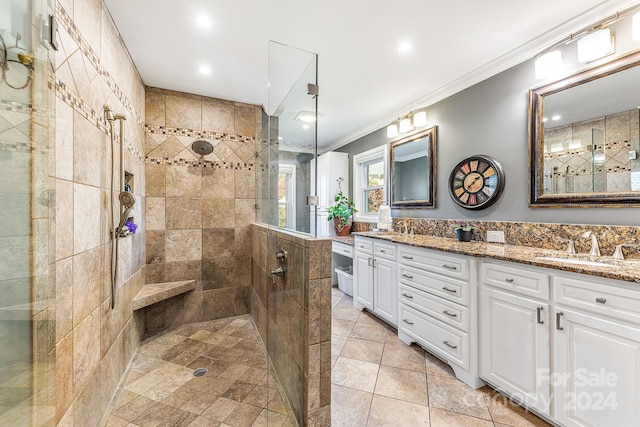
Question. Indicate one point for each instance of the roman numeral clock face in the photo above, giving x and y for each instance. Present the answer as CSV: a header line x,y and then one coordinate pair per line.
x,y
476,182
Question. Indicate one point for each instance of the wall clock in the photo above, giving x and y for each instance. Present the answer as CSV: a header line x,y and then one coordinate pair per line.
x,y
476,182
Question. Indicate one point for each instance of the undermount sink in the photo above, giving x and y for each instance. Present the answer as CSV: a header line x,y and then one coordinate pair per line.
x,y
577,261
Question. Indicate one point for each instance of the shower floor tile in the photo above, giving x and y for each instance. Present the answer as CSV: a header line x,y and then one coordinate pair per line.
x,y
237,390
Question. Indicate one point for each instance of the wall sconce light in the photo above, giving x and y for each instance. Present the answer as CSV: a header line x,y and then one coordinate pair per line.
x,y
405,125
548,65
635,30
595,45
392,131
420,119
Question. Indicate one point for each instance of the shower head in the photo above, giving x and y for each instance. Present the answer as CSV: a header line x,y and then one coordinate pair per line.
x,y
126,199
202,147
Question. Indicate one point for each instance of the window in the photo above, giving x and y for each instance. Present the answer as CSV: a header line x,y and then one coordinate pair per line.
x,y
369,187
287,197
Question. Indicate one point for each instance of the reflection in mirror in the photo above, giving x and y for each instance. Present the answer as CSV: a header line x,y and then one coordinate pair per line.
x,y
585,136
412,170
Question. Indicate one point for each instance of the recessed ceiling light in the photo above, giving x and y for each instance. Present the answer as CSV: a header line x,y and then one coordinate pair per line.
x,y
203,21
404,47
204,69
556,118
545,119
305,127
280,138
306,117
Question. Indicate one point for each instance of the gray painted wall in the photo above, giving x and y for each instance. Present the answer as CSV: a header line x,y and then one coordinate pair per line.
x,y
491,118
411,184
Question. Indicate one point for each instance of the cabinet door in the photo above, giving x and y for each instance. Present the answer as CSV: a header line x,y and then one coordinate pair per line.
x,y
514,346
363,281
386,290
597,361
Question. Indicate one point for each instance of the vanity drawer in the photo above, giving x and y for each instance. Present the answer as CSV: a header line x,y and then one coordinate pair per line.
x,y
452,344
363,245
342,249
449,289
384,250
448,312
515,279
446,265
606,298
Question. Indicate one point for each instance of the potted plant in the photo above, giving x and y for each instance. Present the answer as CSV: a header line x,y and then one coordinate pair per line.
x,y
341,212
463,230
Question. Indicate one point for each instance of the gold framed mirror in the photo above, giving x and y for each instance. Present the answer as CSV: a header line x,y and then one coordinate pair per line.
x,y
584,138
413,166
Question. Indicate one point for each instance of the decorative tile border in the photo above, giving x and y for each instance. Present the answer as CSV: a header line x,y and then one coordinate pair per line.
x,y
205,164
15,107
164,130
67,22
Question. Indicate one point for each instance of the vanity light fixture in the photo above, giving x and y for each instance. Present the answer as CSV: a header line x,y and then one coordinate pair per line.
x,y
595,45
203,21
204,69
548,65
407,123
404,47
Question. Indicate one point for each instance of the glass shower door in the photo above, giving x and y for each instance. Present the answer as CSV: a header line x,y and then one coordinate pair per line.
x,y
27,289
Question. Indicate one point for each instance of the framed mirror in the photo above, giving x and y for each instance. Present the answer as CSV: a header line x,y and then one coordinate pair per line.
x,y
584,138
413,170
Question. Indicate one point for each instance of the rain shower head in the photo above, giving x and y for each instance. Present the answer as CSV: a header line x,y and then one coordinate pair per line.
x,y
127,200
202,147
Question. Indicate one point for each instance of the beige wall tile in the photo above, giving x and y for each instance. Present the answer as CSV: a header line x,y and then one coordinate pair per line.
x,y
86,350
218,243
154,107
155,180
64,297
64,140
183,111
86,279
155,213
217,115
64,219
183,213
86,151
245,184
218,183
245,123
245,212
155,240
183,245
64,375
218,213
184,181
86,217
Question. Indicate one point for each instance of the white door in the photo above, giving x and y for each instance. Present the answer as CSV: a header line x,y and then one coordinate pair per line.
x,y
386,290
598,371
363,281
514,346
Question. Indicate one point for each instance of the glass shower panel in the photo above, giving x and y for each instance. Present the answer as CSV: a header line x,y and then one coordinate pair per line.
x,y
27,315
288,145
291,127
598,161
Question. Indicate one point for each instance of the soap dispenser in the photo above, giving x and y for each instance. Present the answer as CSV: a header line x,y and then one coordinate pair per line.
x,y
384,217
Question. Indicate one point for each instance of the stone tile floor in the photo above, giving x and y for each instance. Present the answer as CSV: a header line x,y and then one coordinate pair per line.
x,y
376,381
238,390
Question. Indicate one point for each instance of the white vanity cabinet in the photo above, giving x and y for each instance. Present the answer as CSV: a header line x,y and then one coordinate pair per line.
x,y
375,278
596,334
437,306
514,332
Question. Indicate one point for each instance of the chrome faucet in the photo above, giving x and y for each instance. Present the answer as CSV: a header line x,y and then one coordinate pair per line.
x,y
618,252
571,247
595,249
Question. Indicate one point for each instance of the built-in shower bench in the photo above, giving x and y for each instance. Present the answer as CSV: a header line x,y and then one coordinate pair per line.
x,y
156,292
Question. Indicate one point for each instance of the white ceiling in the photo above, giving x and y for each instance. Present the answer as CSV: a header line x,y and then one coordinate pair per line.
x,y
365,82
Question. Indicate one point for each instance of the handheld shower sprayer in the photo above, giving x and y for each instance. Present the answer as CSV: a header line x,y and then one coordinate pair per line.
x,y
126,201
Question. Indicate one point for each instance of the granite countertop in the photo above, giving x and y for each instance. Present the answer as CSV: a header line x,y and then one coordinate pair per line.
x,y
347,240
627,270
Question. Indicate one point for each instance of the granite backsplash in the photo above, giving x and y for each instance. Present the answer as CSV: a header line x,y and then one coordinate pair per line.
x,y
531,234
